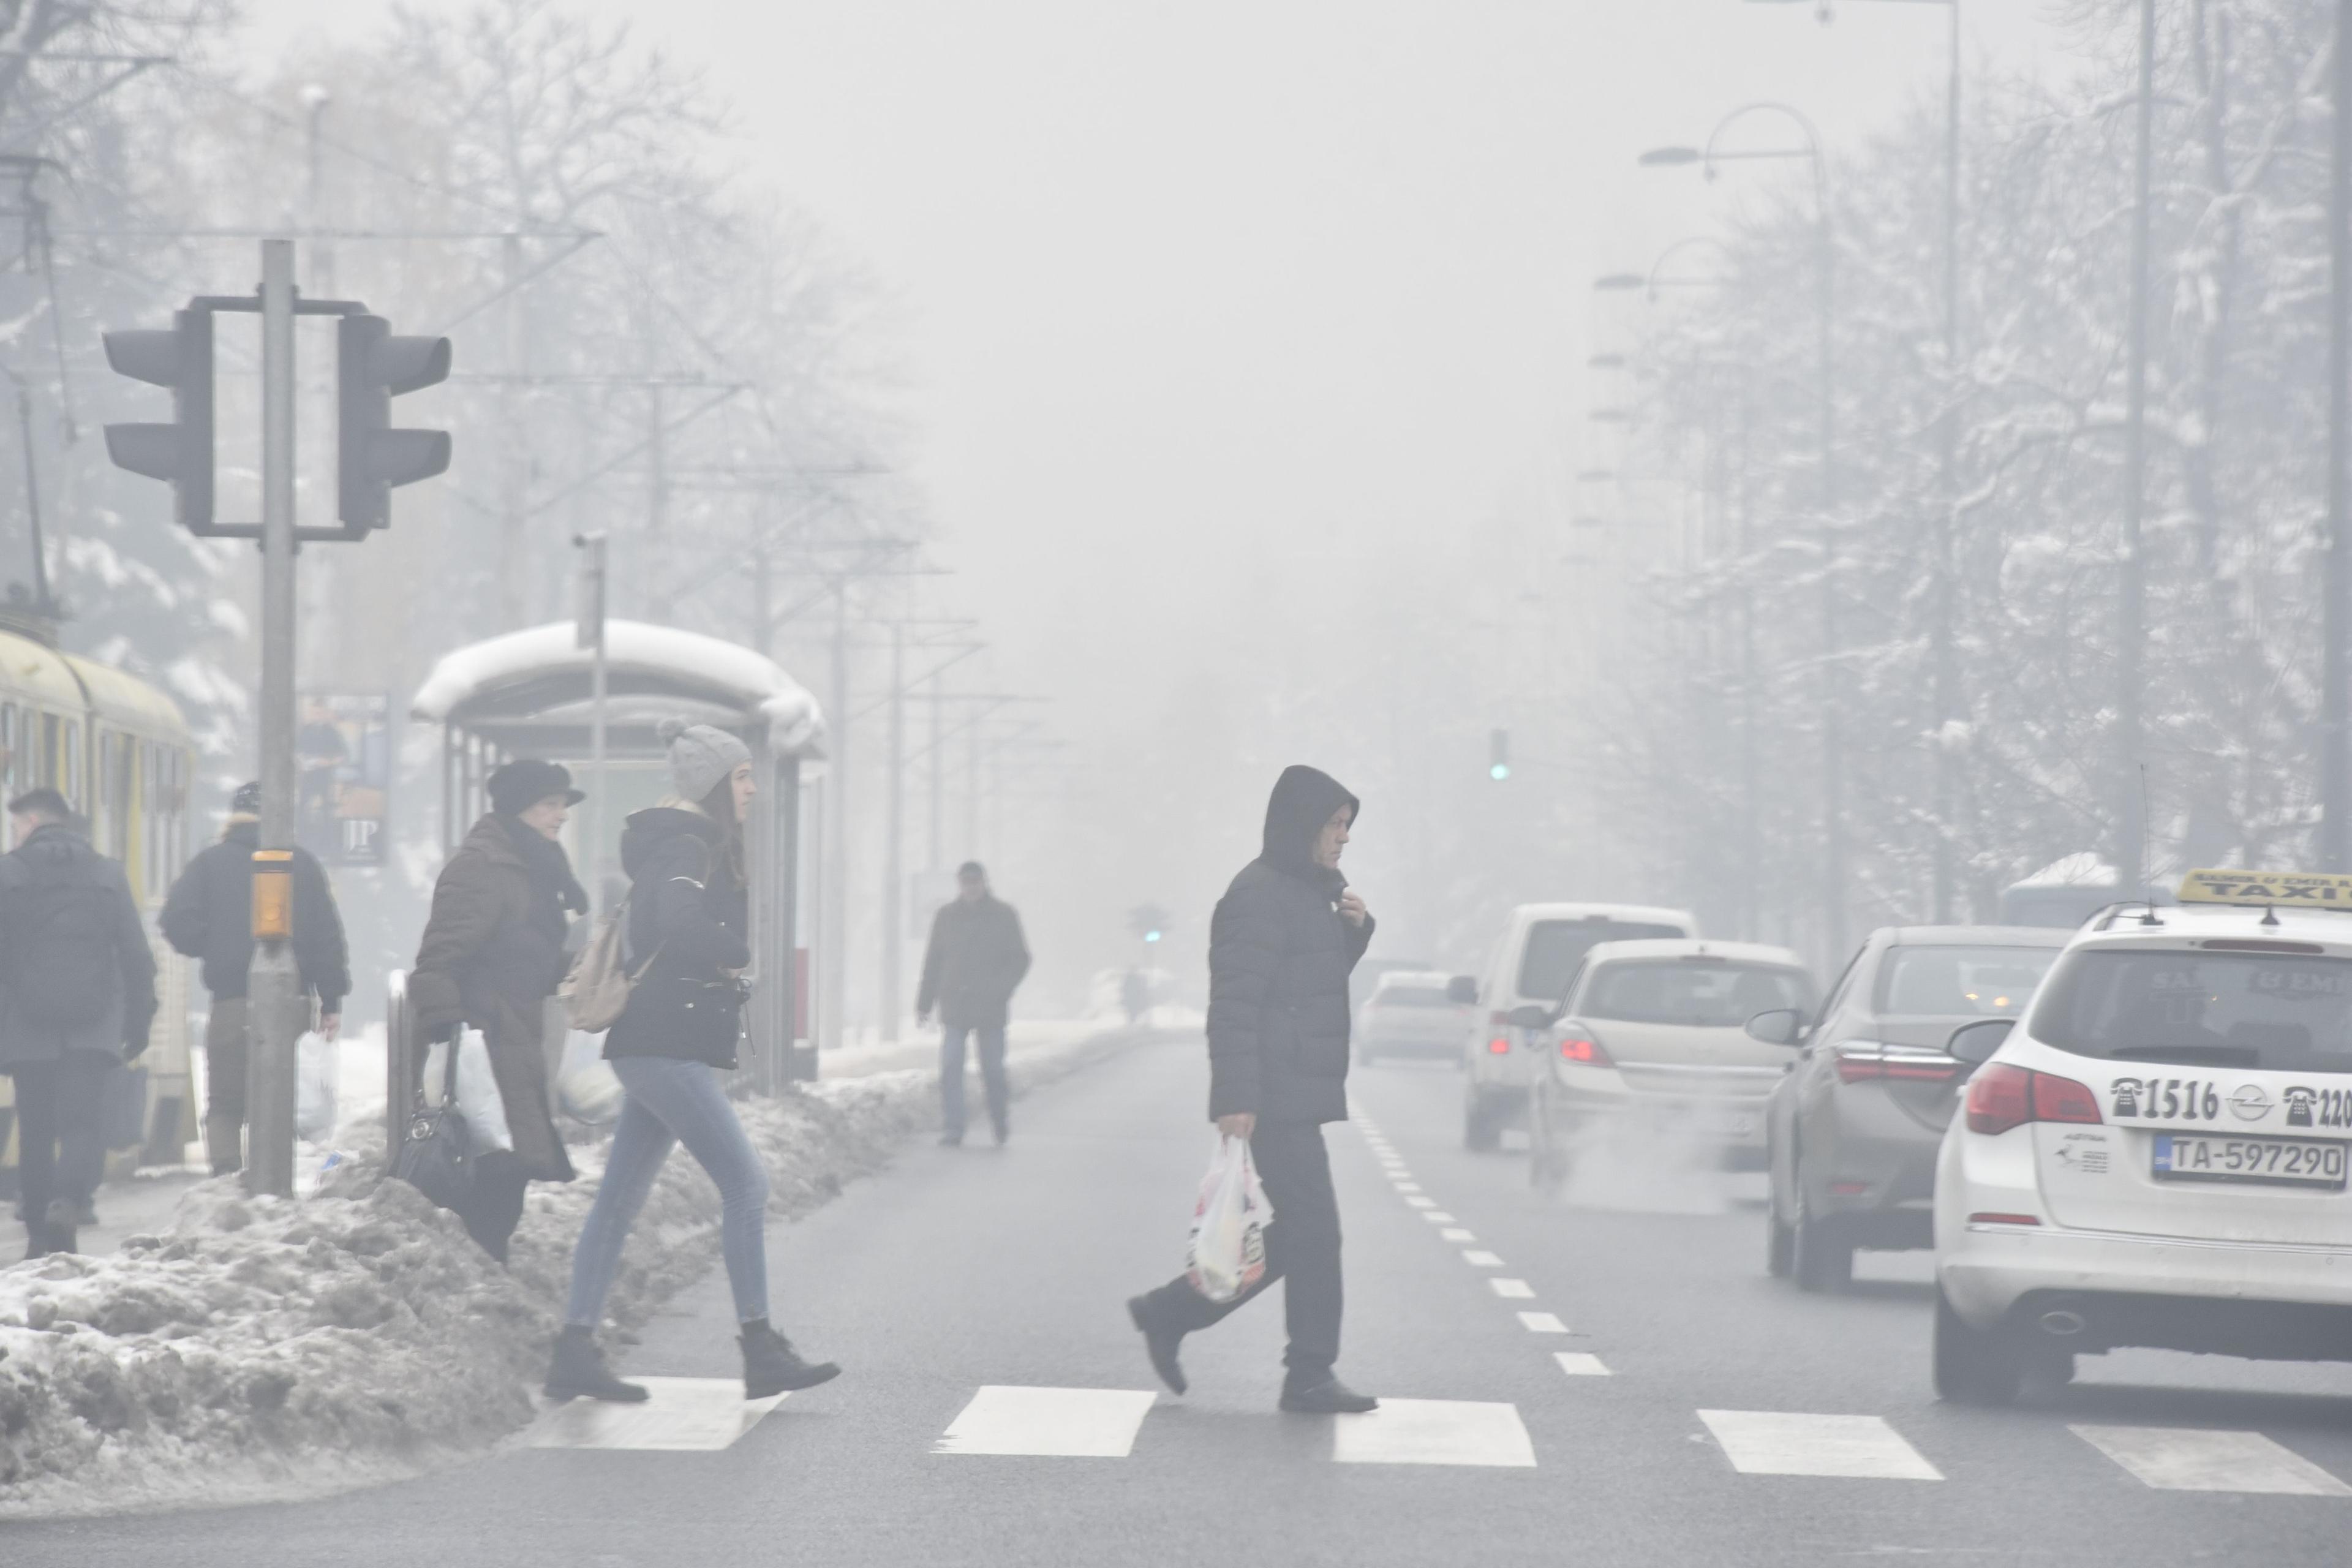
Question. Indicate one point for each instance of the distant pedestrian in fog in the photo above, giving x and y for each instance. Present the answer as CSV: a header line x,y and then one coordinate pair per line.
x,y
209,917
77,1000
689,917
975,960
492,955
1281,945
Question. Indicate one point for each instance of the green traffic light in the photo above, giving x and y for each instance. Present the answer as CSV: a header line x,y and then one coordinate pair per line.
x,y
1499,772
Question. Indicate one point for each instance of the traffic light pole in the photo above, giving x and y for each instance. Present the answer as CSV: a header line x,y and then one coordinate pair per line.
x,y
275,981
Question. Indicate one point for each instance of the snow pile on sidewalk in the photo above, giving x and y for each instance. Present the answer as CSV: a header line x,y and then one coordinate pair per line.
x,y
261,1348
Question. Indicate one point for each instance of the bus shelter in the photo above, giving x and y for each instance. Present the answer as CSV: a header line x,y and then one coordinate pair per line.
x,y
534,694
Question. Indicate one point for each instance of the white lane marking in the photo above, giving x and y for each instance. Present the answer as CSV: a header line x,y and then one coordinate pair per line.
x,y
1513,1289
1434,1432
1478,1259
1406,1186
1455,1233
1423,1203
1438,1216
1783,1442
1579,1363
1065,1422
681,1415
2189,1459
1543,1323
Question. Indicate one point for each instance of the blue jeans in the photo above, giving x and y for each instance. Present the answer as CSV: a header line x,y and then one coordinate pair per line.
x,y
991,1074
666,1102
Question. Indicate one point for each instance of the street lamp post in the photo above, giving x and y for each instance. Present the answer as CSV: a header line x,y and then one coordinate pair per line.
x,y
1832,749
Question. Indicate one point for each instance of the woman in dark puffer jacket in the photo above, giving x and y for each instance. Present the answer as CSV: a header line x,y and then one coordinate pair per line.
x,y
687,915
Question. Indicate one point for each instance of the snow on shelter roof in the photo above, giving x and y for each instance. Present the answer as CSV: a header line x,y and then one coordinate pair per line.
x,y
529,691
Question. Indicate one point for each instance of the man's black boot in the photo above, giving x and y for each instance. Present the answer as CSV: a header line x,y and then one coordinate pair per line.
x,y
59,1222
578,1371
771,1365
1161,1344
1325,1395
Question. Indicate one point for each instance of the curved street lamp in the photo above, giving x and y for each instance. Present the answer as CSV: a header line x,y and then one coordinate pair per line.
x,y
1832,761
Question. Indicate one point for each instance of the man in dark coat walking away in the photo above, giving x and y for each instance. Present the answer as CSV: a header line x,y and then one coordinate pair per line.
x,y
975,960
209,917
1281,945
77,1000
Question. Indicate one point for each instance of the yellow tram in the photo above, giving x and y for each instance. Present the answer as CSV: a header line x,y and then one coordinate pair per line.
x,y
119,750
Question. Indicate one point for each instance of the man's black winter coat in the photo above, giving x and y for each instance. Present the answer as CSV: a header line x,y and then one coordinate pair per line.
x,y
976,959
1279,958
209,917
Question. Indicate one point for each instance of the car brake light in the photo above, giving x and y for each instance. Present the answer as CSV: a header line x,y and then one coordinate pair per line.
x,y
1577,1045
1498,1047
2003,1096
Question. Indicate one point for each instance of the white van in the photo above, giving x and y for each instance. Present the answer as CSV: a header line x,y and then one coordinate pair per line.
x,y
1534,964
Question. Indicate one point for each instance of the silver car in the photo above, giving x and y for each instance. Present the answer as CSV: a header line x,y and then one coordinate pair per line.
x,y
1852,1130
1410,1014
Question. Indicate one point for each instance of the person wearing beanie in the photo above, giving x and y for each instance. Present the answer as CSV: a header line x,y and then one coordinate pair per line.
x,y
492,955
208,916
685,944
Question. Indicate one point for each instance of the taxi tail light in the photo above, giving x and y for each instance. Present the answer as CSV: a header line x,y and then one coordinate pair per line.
x,y
1579,1044
2003,1096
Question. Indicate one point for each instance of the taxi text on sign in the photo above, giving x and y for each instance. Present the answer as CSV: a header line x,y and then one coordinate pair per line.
x,y
2324,888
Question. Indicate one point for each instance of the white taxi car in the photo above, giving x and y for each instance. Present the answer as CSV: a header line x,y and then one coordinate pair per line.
x,y
2157,1152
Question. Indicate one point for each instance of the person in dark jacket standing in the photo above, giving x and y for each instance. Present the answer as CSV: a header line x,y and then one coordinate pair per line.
x,y
77,1000
209,917
975,960
492,955
685,946
1281,945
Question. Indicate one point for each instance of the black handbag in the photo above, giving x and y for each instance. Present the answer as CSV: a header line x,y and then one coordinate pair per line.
x,y
436,1157
698,1019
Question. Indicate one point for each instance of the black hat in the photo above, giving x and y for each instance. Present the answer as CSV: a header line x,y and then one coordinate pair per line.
x,y
972,871
519,785
246,801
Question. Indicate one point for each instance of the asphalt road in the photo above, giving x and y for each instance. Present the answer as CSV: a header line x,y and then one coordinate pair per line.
x,y
975,1298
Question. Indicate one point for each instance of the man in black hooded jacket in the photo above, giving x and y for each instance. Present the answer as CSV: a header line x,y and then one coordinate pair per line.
x,y
1281,945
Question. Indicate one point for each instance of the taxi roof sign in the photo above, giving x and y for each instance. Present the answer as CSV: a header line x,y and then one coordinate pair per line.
x,y
2297,890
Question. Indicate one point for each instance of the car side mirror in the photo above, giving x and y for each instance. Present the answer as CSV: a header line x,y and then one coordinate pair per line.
x,y
1976,1042
1780,1026
1529,1016
1463,990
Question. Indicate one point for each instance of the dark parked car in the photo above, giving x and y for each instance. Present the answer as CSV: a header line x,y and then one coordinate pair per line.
x,y
1852,1130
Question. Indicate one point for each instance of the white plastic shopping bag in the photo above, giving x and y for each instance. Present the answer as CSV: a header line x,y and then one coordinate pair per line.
x,y
585,1085
314,1087
479,1101
1227,1255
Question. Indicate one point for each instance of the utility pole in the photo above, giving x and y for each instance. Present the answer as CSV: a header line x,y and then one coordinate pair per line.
x,y
933,858
275,981
591,638
2336,758
1947,521
2131,596
835,994
893,875
658,579
512,462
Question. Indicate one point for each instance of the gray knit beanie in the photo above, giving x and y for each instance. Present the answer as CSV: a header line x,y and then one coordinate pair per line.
x,y
699,756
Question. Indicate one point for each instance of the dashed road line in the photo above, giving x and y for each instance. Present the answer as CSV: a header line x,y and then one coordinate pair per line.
x,y
1422,1203
1455,1233
1579,1363
1512,1290
2195,1459
1543,1323
1437,1216
1478,1259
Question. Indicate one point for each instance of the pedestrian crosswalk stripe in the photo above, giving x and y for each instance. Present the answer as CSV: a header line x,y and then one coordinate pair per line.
x,y
1438,1216
679,1414
1434,1432
1543,1323
1783,1442
1579,1363
1478,1259
1512,1290
1060,1423
1455,1233
1423,1203
2193,1460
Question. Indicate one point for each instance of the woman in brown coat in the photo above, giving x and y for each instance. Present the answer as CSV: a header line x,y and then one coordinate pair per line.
x,y
492,955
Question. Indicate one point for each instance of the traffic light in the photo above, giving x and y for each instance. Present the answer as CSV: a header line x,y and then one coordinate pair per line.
x,y
1147,921
372,367
181,454
1498,756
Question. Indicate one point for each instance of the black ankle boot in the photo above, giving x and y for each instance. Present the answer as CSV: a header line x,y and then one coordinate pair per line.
x,y
771,1365
58,1224
578,1371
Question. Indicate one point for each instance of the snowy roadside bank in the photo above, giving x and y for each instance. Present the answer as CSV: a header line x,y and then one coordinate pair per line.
x,y
261,1349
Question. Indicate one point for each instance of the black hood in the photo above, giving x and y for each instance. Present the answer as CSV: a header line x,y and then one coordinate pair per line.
x,y
657,824
1304,799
